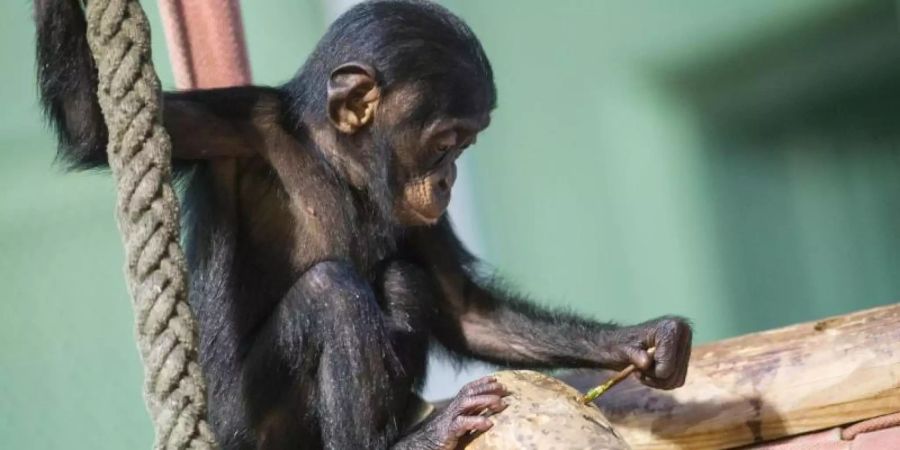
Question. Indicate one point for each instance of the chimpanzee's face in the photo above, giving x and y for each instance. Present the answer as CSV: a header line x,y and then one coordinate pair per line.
x,y
424,166
424,129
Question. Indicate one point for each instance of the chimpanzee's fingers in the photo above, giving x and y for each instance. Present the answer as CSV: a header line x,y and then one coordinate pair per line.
x,y
665,362
676,380
670,335
648,380
684,358
462,425
475,405
482,380
639,357
674,358
473,385
486,385
490,388
679,378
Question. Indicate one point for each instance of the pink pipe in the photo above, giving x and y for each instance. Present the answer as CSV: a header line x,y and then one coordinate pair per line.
x,y
206,43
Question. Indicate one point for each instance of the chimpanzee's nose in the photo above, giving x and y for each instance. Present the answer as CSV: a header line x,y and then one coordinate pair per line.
x,y
446,181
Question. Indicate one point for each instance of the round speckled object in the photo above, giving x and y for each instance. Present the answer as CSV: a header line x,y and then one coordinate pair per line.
x,y
544,414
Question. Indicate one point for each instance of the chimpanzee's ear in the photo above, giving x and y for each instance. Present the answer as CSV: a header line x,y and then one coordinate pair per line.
x,y
353,95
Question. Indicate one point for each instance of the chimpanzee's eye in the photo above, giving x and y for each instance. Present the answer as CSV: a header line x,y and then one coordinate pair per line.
x,y
445,152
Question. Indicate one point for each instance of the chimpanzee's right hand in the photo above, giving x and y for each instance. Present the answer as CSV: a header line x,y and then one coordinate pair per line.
x,y
463,415
665,369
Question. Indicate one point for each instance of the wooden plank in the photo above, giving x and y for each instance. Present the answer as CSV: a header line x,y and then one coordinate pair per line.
x,y
767,385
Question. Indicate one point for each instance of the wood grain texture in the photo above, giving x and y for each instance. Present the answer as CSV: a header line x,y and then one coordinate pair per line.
x,y
766,385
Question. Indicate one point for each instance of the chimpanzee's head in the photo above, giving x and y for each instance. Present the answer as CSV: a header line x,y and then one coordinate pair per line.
x,y
405,85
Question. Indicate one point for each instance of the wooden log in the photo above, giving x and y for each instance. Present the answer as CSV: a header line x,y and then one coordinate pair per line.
x,y
767,385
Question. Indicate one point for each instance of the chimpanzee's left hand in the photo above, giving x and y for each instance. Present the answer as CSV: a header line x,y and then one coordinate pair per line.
x,y
667,367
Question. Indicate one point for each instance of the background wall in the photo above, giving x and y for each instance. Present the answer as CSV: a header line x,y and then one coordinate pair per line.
x,y
732,162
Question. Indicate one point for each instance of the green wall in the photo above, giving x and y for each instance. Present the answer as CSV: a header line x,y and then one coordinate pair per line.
x,y
606,183
598,181
70,377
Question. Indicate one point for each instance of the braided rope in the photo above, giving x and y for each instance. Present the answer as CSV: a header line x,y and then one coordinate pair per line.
x,y
147,212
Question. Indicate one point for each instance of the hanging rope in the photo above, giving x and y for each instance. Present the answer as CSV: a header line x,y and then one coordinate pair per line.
x,y
147,210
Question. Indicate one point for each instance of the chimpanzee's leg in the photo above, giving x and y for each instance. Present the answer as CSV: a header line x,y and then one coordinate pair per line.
x,y
359,402
406,295
322,371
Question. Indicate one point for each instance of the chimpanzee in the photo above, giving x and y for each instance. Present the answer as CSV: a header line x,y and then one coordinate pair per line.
x,y
322,260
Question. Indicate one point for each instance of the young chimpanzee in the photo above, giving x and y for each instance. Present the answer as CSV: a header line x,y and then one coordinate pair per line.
x,y
322,260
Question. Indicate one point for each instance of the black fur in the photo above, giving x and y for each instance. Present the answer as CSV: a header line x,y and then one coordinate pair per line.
x,y
316,308
408,41
67,79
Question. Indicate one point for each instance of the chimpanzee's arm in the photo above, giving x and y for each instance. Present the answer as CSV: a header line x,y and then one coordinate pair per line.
x,y
221,123
218,123
478,318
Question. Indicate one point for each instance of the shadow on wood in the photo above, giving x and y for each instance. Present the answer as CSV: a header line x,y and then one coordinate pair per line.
x,y
766,385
